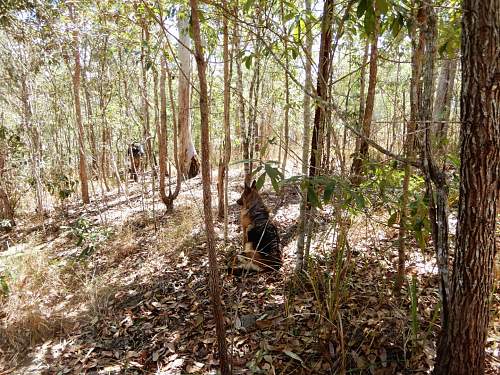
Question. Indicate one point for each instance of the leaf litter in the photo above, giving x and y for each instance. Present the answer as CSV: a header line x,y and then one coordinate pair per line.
x,y
146,307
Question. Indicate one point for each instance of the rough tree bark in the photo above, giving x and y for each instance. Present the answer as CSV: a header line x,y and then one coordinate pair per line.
x,y
442,102
223,168
325,63
146,124
286,130
362,154
82,164
409,147
6,207
162,133
435,179
241,102
104,100
299,263
188,158
90,120
253,125
175,141
214,279
461,345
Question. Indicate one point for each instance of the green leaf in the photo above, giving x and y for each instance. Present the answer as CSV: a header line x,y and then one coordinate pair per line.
x,y
392,219
419,236
276,185
360,201
257,170
369,21
287,17
248,5
260,181
312,196
329,189
271,171
363,4
382,6
274,175
395,27
248,61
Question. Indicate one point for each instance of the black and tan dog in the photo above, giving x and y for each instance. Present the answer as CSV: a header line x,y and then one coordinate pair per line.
x,y
135,153
261,242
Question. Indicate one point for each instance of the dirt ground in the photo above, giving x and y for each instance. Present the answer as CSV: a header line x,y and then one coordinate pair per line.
x,y
120,287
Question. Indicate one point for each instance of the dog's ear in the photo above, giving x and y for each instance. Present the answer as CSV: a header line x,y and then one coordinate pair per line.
x,y
254,184
247,188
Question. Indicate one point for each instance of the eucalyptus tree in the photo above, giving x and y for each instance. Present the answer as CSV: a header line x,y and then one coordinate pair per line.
x,y
76,77
213,279
188,158
461,345
449,44
223,176
372,12
303,227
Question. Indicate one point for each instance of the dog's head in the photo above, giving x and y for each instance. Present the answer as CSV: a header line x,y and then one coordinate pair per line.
x,y
249,193
136,150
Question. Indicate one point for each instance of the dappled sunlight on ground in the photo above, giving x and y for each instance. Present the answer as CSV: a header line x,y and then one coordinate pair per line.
x,y
126,292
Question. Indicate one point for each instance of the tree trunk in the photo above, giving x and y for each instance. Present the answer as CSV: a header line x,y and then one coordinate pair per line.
x,y
442,102
253,125
82,164
156,117
188,159
438,202
144,93
241,105
357,164
36,142
105,130
91,124
362,99
222,185
322,86
6,207
162,132
461,345
214,279
299,264
172,196
409,148
287,94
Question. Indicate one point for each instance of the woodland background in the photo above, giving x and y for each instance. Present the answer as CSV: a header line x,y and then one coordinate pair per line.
x,y
349,115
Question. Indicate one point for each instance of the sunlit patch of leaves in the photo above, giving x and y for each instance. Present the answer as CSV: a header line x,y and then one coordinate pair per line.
x,y
61,185
89,236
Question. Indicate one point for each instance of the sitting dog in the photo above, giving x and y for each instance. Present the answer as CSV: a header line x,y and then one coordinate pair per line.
x,y
261,242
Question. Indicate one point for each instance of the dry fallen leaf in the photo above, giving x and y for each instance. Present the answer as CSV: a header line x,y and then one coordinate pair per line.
x,y
195,367
293,355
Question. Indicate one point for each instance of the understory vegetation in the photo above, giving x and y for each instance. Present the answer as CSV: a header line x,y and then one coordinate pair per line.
x,y
130,132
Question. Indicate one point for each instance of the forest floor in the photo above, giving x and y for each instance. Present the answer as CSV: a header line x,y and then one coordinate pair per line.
x,y
120,287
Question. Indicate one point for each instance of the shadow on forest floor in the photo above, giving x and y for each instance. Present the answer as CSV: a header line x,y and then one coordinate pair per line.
x,y
137,301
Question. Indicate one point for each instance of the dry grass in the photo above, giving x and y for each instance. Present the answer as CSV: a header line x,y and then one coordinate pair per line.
x,y
47,296
31,308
